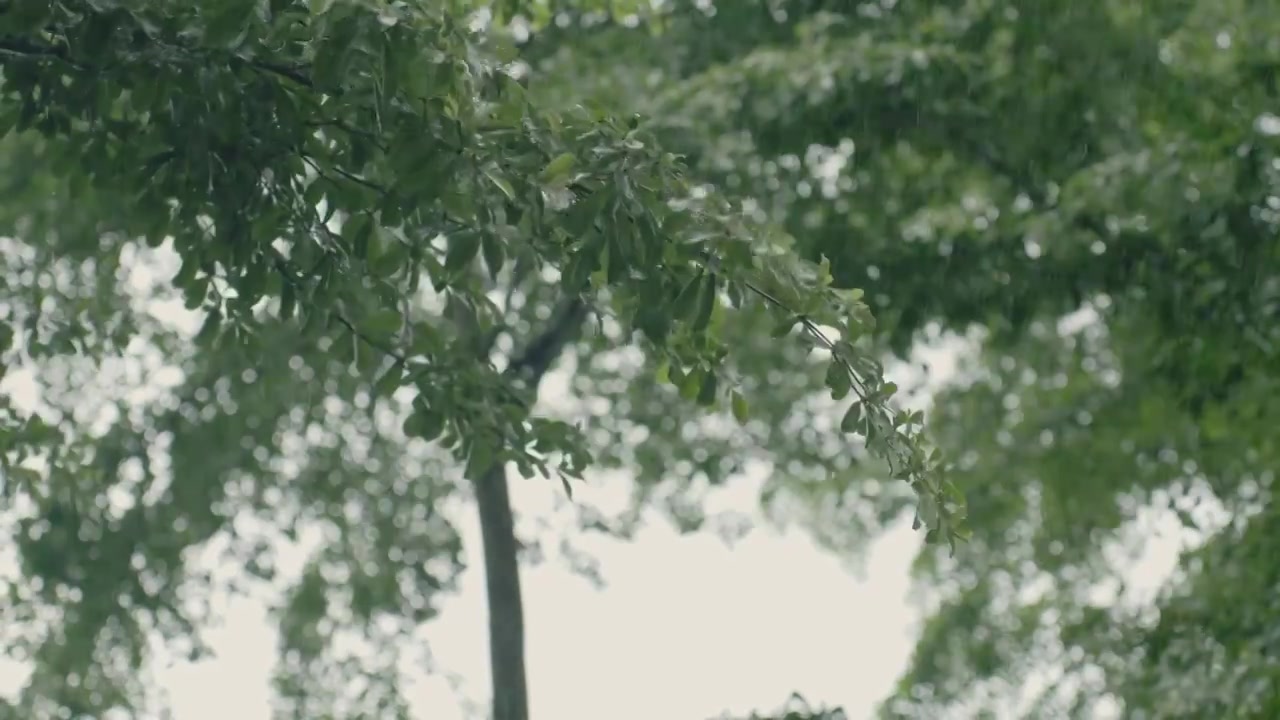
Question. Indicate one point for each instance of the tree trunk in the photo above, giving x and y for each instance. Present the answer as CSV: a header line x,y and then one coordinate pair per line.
x,y
497,527
502,583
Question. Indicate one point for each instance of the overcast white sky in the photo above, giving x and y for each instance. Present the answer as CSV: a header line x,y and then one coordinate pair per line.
x,y
686,628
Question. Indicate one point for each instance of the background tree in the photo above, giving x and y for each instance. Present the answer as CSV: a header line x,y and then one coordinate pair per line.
x,y
1088,192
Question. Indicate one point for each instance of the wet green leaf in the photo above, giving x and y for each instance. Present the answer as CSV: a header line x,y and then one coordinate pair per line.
x,y
463,248
852,422
383,324
838,379
559,169
741,413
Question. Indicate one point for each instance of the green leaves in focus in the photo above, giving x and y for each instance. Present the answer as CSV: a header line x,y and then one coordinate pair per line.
x,y
325,177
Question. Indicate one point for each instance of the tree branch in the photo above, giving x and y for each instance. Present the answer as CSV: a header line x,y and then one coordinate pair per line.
x,y
497,525
536,359
15,47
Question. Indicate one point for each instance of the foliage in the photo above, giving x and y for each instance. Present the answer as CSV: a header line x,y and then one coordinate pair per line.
x,y
1088,192
797,708
382,239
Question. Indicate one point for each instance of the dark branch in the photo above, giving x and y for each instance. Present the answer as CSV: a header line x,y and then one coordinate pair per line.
x,y
536,359
29,50
295,74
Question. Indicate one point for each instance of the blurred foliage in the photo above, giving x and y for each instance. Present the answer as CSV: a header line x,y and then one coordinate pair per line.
x,y
1088,193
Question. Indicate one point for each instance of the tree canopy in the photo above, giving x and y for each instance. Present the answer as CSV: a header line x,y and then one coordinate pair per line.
x,y
1088,192
387,220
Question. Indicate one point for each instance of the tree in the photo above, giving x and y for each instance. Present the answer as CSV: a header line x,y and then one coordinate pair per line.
x,y
387,243
1001,168
1013,172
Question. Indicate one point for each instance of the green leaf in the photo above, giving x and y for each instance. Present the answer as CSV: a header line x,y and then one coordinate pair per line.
x,y
394,257
426,339
390,381
739,405
852,420
676,375
870,428
229,24
783,328
463,248
423,423
686,300
333,52
853,295
357,231
502,184
494,254
838,379
691,385
577,271
616,261
706,303
383,324
663,373
209,329
559,169
653,317
707,391
583,214
824,271
288,301
186,272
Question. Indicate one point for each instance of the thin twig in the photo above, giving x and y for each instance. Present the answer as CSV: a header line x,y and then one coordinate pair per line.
x,y
814,331
291,73
361,181
345,174
348,128
282,266
29,50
